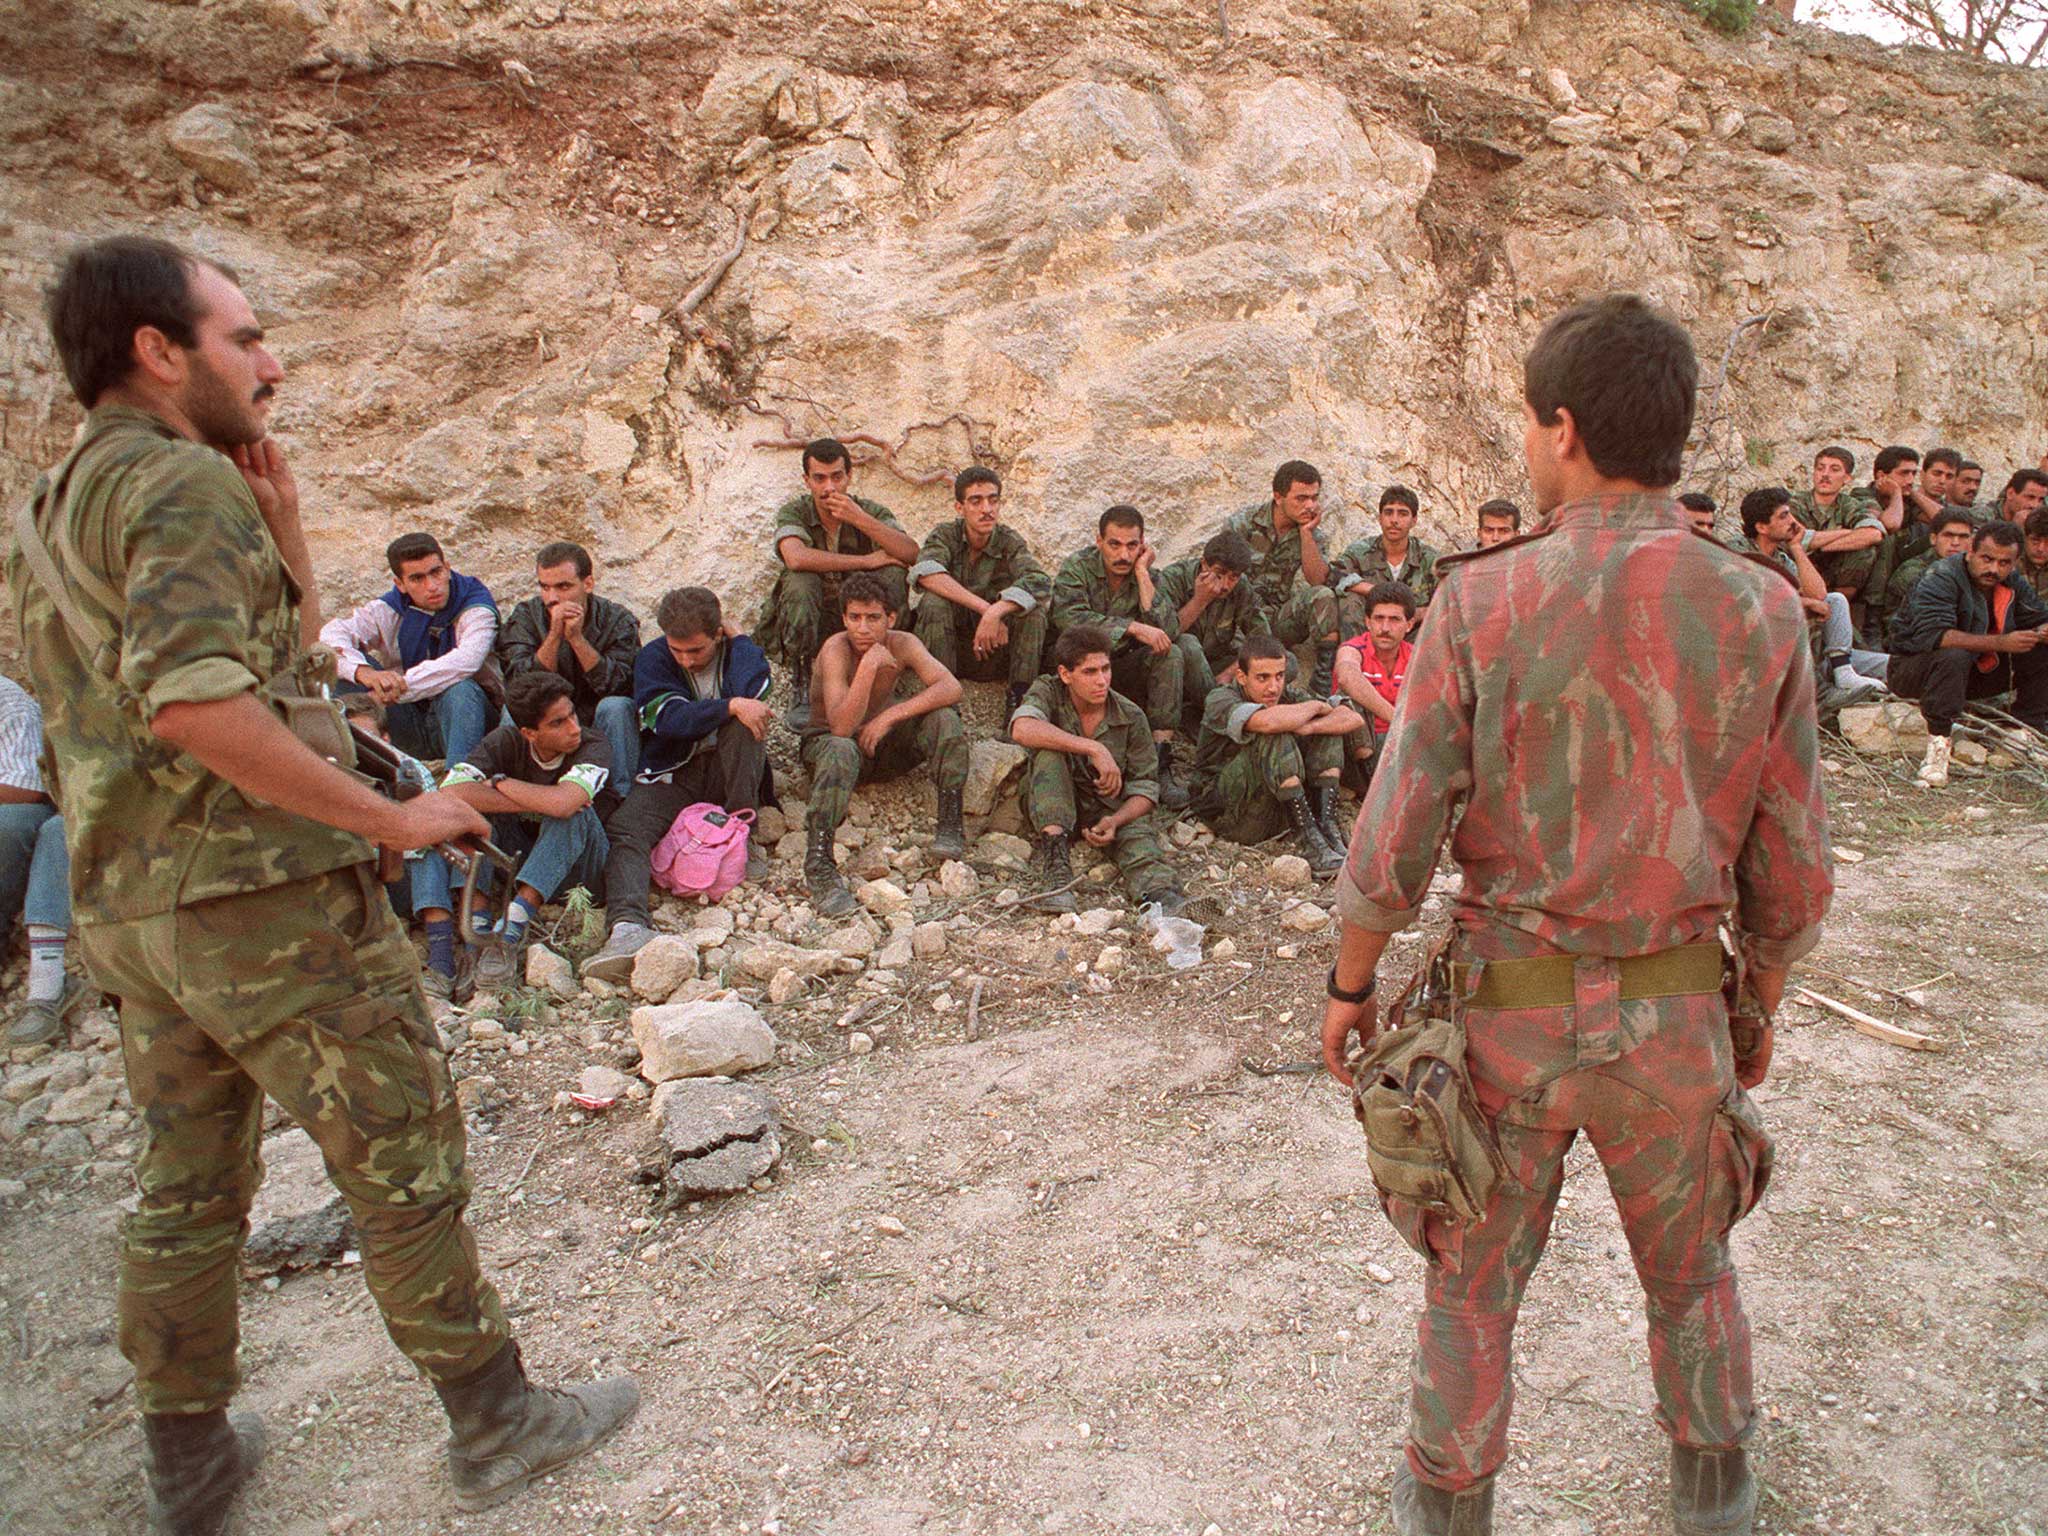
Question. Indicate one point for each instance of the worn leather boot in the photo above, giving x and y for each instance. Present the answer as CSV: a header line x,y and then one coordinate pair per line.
x,y
950,841
1013,697
504,1432
799,710
1055,871
1322,858
1422,1510
197,1463
829,894
1322,805
1319,681
1712,1493
1173,795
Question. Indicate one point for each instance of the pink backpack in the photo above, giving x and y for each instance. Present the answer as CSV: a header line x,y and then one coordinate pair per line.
x,y
704,852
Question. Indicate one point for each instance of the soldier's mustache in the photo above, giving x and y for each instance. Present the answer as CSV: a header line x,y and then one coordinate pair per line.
x,y
263,393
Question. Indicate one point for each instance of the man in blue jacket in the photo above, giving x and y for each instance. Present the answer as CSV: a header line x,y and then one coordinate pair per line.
x,y
699,693
1971,628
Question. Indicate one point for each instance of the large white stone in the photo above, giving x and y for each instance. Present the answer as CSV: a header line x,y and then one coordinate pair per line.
x,y
210,140
665,963
990,765
715,1036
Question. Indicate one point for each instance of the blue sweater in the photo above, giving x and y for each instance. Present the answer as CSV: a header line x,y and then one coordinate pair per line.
x,y
674,719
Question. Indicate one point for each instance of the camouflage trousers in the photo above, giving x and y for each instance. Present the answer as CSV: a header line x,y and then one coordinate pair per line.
x,y
947,631
1850,571
1652,1085
1054,794
1243,804
1156,681
803,610
837,764
1308,620
309,993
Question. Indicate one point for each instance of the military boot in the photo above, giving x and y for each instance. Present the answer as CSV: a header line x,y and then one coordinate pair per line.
x,y
1421,1510
1322,858
197,1463
1013,698
504,1431
1173,795
799,710
1319,681
1712,1493
821,873
1322,805
1055,871
950,841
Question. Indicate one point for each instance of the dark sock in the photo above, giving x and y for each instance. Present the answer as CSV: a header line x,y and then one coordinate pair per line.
x,y
441,944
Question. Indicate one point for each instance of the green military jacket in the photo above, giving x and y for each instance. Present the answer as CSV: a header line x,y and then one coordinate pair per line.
x,y
1219,627
1363,566
1276,556
1225,713
799,516
1082,594
1006,571
1743,544
1123,729
2036,575
1906,577
1853,508
160,542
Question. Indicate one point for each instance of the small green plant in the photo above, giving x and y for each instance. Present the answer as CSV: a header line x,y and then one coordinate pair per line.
x,y
1734,17
1758,451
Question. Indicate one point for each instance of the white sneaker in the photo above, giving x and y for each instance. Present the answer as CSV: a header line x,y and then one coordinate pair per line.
x,y
1934,766
1849,687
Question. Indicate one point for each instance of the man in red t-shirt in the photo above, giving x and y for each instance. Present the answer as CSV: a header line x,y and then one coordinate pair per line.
x,y
1371,668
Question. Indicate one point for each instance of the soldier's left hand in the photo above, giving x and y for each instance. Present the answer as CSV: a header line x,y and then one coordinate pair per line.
x,y
1755,1064
1340,1022
269,480
1100,833
870,736
990,636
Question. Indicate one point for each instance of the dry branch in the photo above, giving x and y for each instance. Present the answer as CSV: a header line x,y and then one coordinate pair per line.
x,y
701,289
1877,1029
976,449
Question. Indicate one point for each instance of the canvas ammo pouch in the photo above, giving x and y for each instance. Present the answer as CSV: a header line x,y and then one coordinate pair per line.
x,y
1427,1144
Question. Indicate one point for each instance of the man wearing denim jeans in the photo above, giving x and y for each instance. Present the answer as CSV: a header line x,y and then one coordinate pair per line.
x,y
423,651
544,781
35,871
589,640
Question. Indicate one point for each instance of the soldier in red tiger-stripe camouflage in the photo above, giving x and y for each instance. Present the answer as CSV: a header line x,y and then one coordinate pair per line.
x,y
1624,710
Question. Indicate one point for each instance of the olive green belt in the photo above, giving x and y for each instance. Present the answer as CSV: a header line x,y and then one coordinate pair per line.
x,y
1545,981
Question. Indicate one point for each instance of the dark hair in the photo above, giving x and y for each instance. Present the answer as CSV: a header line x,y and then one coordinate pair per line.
x,y
1500,506
1627,373
1401,494
562,552
408,547
2004,534
1391,592
2037,522
1889,459
1295,472
684,613
1077,644
972,476
1761,505
1969,464
2022,478
1842,455
1259,648
826,450
1958,515
865,587
108,290
1946,456
530,695
1228,550
1697,501
363,704
1122,515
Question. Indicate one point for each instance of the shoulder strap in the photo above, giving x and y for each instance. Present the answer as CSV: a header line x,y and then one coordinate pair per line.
x,y
93,635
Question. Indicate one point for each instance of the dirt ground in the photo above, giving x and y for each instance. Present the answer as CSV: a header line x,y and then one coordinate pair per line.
x,y
1137,1283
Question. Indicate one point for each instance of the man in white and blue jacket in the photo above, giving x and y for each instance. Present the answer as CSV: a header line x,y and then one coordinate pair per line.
x,y
699,693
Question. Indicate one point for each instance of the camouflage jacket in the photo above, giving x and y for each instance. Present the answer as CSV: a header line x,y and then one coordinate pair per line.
x,y
160,540
799,516
1006,570
1851,509
1276,556
1905,578
1363,566
1225,714
1219,627
1625,711
1082,594
1123,729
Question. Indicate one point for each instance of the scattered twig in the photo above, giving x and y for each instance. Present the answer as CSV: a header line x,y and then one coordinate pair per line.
x,y
701,289
974,1009
1851,981
538,1142
977,450
1921,986
1876,1028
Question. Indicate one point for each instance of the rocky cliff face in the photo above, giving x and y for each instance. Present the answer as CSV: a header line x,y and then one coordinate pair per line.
x,y
1119,251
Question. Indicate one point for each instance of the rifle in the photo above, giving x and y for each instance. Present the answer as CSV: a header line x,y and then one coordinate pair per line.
x,y
403,777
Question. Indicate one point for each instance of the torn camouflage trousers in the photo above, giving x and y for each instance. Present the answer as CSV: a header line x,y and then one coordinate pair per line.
x,y
309,993
1652,1085
947,631
803,610
1243,805
1053,795
1154,681
836,763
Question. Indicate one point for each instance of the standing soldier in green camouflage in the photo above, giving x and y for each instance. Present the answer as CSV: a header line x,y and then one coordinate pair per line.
x,y
166,604
985,594
1623,711
1093,771
1214,610
1843,529
1392,554
1290,574
1269,758
819,537
1109,586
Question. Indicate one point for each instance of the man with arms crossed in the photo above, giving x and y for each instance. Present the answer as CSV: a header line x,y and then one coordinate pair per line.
x,y
985,595
1600,854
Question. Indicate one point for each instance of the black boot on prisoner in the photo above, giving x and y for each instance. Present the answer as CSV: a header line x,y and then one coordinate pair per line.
x,y
504,1431
1055,872
1319,681
1712,1493
1421,1510
1322,858
197,1463
1173,795
950,841
829,894
799,711
1322,805
1013,698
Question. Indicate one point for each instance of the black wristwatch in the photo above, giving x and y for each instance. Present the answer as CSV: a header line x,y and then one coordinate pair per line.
x,y
1339,995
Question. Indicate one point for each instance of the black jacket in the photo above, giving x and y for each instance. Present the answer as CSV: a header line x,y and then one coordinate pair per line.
x,y
1947,599
610,628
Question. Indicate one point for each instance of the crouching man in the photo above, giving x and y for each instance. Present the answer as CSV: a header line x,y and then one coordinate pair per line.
x,y
1093,770
868,722
1269,758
